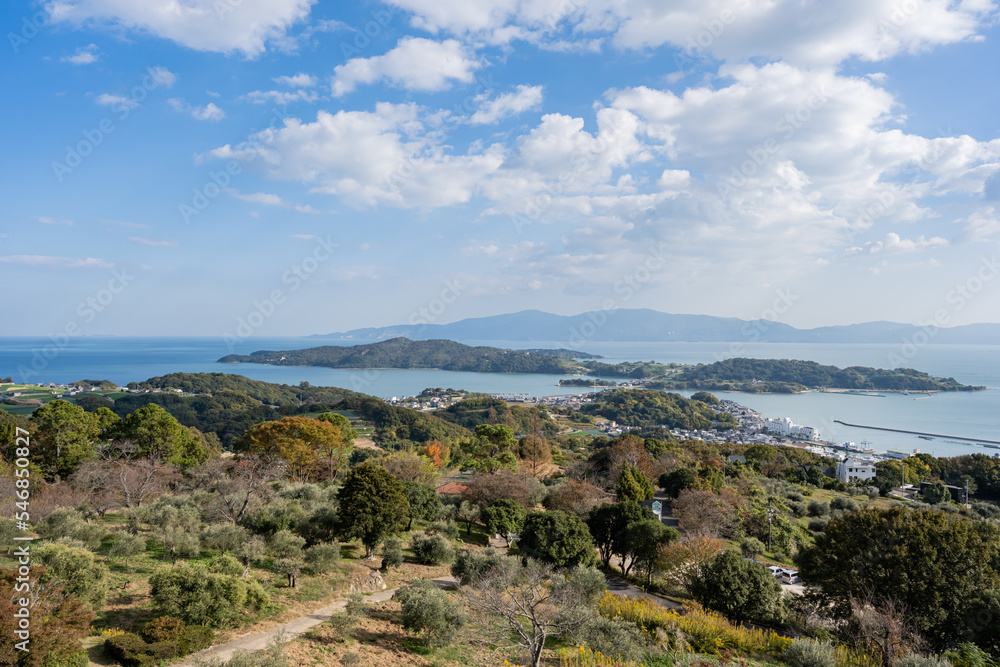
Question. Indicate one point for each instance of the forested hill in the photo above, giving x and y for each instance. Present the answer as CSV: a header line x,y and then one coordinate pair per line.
x,y
228,405
404,353
741,374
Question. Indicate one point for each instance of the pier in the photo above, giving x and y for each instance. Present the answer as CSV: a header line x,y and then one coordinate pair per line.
x,y
933,435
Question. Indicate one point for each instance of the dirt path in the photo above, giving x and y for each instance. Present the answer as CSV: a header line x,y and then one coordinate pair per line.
x,y
260,640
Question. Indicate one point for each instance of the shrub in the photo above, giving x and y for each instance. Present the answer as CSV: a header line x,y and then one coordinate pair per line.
x,y
84,578
431,549
164,629
842,503
225,565
816,508
129,650
126,546
795,496
969,655
914,660
392,553
429,610
798,508
197,596
809,653
470,565
749,547
322,557
448,528
585,657
818,525
285,544
614,637
224,537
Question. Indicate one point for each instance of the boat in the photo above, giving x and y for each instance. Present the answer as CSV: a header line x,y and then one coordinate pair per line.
x,y
925,437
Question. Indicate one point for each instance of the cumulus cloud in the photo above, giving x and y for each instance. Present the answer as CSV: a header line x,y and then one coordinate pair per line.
x,y
494,110
727,29
300,80
208,112
281,97
225,26
268,199
84,55
414,64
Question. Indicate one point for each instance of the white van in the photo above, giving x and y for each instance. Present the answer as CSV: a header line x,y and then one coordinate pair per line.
x,y
790,577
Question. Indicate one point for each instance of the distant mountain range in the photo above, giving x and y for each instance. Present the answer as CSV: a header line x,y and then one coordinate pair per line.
x,y
643,325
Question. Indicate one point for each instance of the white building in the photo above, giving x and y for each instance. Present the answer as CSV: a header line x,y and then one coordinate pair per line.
x,y
851,470
782,426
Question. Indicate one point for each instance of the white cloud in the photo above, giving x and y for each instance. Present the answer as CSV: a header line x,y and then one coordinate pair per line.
x,y
162,76
729,29
46,220
415,64
57,262
209,112
153,242
84,55
280,97
268,199
981,226
894,244
382,156
225,26
300,80
109,100
508,104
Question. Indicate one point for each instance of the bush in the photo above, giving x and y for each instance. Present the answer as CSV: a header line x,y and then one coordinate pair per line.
x,y
749,547
126,546
84,578
799,509
842,503
448,528
225,565
809,653
164,629
322,557
392,553
969,655
795,496
429,610
197,596
614,637
285,544
431,549
129,650
816,508
470,565
224,537
914,660
818,525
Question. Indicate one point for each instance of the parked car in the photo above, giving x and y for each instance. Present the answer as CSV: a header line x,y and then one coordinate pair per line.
x,y
790,577
775,571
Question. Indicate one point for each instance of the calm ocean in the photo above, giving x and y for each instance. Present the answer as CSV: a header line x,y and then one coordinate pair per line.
x,y
977,414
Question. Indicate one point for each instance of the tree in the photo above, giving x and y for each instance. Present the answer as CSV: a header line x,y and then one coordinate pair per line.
x,y
290,567
629,451
928,562
484,489
574,495
536,451
676,481
410,467
392,553
633,486
645,539
424,502
558,538
76,570
739,589
469,513
429,610
436,453
160,437
682,561
494,448
373,505
936,493
59,623
521,606
431,549
126,546
707,513
201,597
241,485
607,525
251,550
64,437
504,517
299,442
751,547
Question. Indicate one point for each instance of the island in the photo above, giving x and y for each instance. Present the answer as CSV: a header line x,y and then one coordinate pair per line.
x,y
586,382
737,374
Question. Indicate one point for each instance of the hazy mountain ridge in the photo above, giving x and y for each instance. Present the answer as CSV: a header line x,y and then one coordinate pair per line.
x,y
644,325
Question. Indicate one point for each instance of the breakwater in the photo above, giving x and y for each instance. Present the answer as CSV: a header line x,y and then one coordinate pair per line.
x,y
933,435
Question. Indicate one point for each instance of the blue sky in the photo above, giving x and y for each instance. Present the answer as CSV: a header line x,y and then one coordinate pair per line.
x,y
172,168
